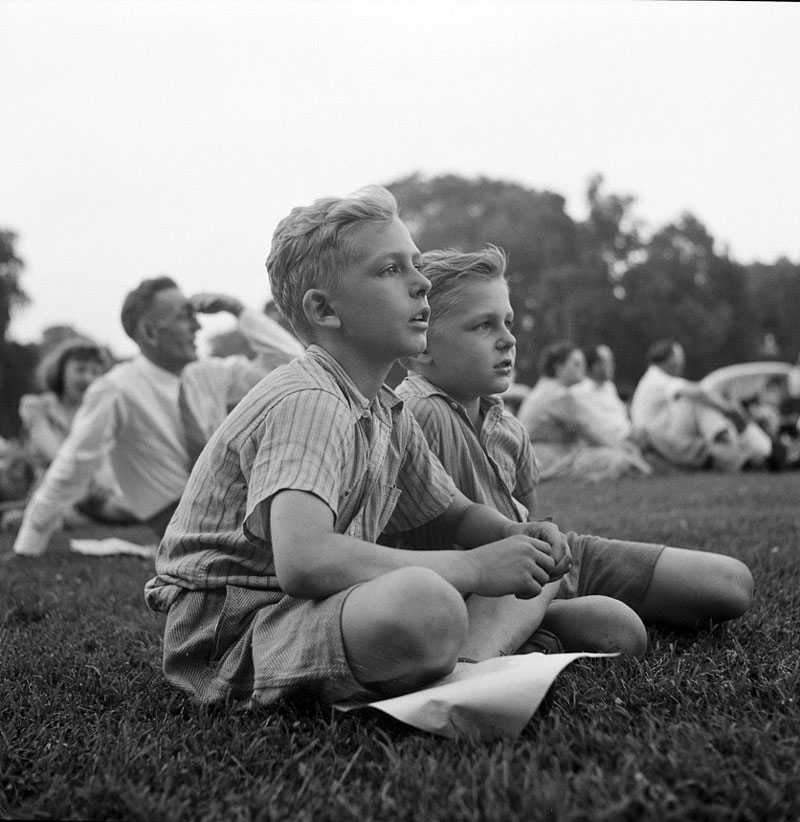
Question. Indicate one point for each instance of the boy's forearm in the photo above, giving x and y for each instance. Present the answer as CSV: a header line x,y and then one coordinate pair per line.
x,y
344,561
479,525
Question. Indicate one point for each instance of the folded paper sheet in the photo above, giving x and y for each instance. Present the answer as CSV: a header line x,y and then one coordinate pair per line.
x,y
109,547
490,699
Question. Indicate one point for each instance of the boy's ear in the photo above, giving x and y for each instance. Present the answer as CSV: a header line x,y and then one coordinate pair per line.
x,y
318,309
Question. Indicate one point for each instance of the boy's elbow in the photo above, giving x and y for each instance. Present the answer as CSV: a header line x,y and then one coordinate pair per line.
x,y
297,583
300,577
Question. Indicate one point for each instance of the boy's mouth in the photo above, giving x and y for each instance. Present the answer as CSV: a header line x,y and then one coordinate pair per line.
x,y
505,365
422,316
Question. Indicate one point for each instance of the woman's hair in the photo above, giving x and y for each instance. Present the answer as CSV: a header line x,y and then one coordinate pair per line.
x,y
660,351
554,355
50,372
313,243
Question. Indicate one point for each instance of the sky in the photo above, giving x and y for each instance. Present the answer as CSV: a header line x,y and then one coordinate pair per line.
x,y
147,138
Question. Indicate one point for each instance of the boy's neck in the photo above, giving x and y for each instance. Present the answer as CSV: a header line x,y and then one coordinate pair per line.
x,y
472,405
367,376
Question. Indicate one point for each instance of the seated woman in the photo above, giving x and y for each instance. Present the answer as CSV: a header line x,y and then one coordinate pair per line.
x,y
567,436
66,373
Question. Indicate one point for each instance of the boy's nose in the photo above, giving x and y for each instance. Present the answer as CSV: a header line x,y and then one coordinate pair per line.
x,y
420,285
508,340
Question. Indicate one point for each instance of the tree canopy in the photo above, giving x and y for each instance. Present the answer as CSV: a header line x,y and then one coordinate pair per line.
x,y
601,280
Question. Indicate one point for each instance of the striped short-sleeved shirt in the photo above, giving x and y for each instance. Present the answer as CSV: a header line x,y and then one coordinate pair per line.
x,y
495,466
304,427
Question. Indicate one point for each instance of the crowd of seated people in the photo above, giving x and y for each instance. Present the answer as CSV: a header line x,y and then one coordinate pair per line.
x,y
64,374
580,427
117,443
570,433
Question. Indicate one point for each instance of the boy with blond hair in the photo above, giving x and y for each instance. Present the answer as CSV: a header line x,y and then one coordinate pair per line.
x,y
613,586
269,572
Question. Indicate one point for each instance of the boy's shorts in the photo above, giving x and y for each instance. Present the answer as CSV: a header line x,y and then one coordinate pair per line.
x,y
257,647
609,567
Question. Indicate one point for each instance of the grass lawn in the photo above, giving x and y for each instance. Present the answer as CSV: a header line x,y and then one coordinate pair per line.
x,y
705,727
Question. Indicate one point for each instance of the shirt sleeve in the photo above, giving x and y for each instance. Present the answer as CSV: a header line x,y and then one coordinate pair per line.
x,y
527,475
44,438
267,337
303,443
83,453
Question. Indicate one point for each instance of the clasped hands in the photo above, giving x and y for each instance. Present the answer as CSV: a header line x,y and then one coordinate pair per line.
x,y
528,558
548,532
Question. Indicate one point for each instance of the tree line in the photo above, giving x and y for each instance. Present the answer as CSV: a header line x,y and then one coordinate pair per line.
x,y
599,280
602,280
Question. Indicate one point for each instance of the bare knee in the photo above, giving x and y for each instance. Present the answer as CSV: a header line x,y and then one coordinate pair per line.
x,y
734,590
597,623
617,628
404,629
431,616
697,588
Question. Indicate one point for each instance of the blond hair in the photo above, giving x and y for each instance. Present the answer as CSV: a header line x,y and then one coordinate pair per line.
x,y
449,270
314,243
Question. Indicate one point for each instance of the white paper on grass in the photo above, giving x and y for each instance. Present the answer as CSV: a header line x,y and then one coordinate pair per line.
x,y
490,699
111,546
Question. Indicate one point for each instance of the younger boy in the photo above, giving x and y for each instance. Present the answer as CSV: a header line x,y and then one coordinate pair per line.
x,y
613,585
269,571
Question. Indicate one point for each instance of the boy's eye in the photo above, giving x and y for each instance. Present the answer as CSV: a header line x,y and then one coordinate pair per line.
x,y
391,269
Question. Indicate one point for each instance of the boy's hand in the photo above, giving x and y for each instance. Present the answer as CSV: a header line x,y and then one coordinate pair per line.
x,y
549,533
208,303
518,565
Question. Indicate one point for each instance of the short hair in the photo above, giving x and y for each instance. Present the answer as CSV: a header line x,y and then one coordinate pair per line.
x,y
50,372
592,353
554,355
449,270
313,243
660,351
138,302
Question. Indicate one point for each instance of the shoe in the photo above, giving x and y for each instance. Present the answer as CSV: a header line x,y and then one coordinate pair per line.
x,y
541,641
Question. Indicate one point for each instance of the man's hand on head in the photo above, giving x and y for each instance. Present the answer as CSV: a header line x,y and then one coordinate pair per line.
x,y
206,302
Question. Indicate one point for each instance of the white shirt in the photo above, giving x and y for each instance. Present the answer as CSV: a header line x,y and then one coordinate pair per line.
x,y
655,391
131,416
607,412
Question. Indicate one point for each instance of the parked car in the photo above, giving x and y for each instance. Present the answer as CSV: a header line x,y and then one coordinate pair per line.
x,y
744,381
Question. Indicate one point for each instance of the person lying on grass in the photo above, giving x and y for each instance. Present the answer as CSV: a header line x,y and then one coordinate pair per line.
x,y
612,585
269,571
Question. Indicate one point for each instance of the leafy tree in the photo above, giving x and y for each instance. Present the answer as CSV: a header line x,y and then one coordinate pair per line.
x,y
683,289
601,280
12,295
16,361
774,298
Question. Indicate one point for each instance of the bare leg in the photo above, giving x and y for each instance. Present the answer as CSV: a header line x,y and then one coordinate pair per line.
x,y
403,630
596,623
694,588
499,625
